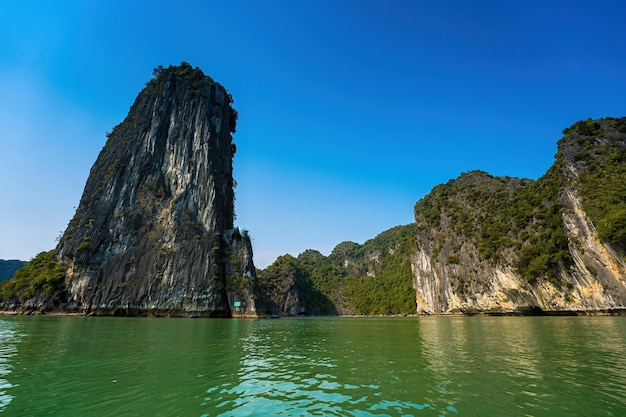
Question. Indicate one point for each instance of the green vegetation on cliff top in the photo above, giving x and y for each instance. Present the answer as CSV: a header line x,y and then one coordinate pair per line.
x,y
599,150
288,273
43,272
510,221
369,279
519,222
378,278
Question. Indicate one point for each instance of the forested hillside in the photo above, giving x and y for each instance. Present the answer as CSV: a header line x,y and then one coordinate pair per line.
x,y
368,279
486,244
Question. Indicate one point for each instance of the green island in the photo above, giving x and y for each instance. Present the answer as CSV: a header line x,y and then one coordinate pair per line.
x,y
154,234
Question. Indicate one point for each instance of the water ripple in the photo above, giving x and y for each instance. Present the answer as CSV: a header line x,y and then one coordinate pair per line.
x,y
289,374
427,367
9,337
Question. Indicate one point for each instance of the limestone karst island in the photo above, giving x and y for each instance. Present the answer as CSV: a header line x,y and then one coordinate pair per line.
x,y
154,232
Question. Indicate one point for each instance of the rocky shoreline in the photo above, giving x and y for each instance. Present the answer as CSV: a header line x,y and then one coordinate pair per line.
x,y
201,314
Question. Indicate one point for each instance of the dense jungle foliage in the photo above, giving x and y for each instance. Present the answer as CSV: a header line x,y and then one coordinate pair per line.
x,y
378,278
369,279
43,272
509,220
285,275
519,221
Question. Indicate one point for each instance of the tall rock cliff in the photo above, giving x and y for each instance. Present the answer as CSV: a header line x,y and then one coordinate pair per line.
x,y
154,233
502,245
494,245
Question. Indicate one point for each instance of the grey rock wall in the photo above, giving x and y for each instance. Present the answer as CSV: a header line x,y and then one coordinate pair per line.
x,y
154,233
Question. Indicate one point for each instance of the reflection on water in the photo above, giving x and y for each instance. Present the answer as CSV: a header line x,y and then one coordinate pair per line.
x,y
535,366
430,366
526,366
314,367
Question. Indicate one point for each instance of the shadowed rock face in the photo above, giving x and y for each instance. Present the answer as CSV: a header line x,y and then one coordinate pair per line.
x,y
154,234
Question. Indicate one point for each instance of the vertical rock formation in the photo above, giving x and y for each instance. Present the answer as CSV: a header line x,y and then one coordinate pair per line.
x,y
154,233
503,245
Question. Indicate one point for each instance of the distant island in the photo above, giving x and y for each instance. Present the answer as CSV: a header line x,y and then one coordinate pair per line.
x,y
154,235
8,268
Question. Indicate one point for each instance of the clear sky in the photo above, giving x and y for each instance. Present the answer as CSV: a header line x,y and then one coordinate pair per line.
x,y
350,111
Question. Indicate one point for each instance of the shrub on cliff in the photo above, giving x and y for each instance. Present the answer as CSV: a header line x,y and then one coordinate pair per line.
x,y
43,272
600,147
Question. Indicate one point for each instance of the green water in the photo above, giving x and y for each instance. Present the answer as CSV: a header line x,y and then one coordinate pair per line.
x,y
438,366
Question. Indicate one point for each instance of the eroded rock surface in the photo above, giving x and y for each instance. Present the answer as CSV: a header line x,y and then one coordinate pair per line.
x,y
154,232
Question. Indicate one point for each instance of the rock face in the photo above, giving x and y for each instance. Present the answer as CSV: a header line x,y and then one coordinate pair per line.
x,y
493,245
504,245
154,233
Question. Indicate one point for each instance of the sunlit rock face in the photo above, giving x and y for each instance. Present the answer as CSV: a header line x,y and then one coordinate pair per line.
x,y
500,245
154,231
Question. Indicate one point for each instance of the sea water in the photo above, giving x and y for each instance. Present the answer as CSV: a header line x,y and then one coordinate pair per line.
x,y
426,366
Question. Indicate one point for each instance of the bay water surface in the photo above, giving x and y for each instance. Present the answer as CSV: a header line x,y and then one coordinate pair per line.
x,y
426,366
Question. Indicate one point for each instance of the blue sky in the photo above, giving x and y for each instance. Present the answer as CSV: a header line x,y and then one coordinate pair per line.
x,y
350,111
